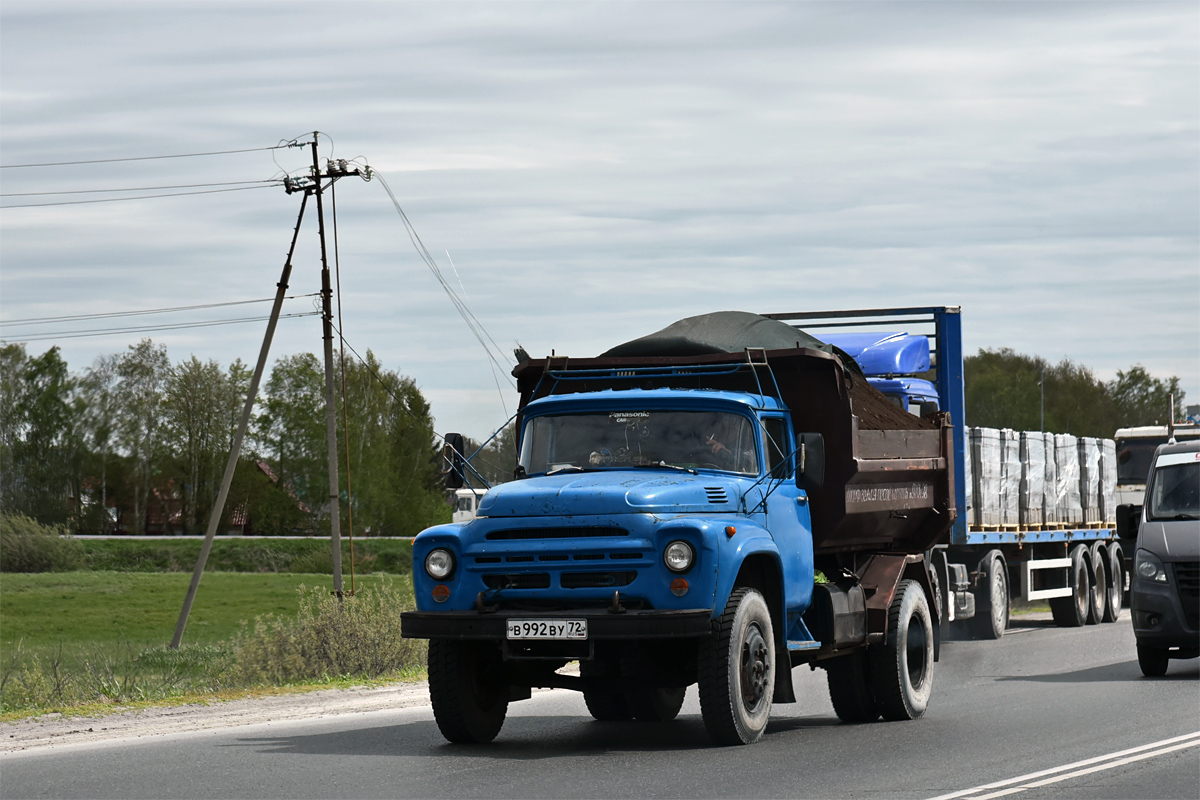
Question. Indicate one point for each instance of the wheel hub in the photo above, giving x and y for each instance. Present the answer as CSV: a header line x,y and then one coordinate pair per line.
x,y
755,667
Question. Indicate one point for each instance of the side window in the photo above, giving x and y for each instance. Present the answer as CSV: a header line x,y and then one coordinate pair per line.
x,y
777,448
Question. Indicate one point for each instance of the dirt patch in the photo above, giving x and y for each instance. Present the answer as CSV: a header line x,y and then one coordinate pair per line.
x,y
876,413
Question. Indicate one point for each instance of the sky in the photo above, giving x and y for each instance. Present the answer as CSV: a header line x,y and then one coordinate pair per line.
x,y
586,173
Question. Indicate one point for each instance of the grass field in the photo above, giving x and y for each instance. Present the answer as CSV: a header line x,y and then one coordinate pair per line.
x,y
141,608
80,641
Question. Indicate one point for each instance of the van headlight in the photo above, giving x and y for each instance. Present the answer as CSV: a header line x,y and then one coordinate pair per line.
x,y
1149,568
439,564
679,556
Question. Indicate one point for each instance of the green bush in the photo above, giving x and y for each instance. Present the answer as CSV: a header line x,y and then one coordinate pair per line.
x,y
357,637
28,546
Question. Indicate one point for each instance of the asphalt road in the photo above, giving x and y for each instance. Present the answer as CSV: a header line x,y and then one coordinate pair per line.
x,y
1043,713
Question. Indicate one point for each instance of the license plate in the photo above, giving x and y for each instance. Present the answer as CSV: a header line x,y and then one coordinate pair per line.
x,y
547,629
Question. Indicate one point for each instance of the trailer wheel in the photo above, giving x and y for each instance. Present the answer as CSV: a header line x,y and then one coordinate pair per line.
x,y
1097,588
1116,583
737,671
902,668
1072,611
1153,660
991,598
650,704
850,688
469,699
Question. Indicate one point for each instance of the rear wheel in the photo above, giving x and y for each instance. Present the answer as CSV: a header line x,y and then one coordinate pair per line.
x,y
991,598
737,671
606,705
467,691
1072,611
850,688
902,668
1116,583
651,704
1097,588
1153,660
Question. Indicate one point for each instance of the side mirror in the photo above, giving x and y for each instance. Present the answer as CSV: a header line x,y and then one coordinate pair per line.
x,y
810,461
452,454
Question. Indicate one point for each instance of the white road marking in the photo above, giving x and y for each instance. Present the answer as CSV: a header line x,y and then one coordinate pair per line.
x,y
1077,768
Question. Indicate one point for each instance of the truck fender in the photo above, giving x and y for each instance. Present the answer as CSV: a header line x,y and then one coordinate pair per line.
x,y
756,563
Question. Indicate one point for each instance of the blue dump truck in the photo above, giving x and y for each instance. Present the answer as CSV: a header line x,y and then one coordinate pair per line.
x,y
712,504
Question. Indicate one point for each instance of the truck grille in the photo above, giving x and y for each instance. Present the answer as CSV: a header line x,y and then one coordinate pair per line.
x,y
556,533
1187,578
594,580
526,580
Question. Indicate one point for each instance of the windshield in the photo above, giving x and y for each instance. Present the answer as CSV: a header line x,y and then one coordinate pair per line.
x,y
1134,457
1176,492
623,439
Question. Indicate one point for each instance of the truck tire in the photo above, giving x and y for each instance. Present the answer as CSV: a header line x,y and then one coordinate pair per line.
x,y
902,667
850,688
1072,611
1153,660
991,598
1097,588
651,704
1116,583
606,705
469,699
737,671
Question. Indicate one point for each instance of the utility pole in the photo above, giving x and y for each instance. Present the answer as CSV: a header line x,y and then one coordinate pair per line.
x,y
335,513
311,186
1042,386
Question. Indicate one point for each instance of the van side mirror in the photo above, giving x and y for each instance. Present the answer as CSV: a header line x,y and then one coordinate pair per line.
x,y
452,455
810,461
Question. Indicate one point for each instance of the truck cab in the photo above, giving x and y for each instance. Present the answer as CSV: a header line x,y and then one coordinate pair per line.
x,y
891,362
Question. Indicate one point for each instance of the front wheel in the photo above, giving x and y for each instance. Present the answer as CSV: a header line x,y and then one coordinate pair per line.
x,y
902,667
737,671
469,697
1153,660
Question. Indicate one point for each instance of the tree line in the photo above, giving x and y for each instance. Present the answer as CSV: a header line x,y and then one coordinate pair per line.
x,y
138,444
1004,389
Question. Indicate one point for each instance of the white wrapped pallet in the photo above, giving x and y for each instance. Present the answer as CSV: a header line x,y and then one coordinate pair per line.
x,y
1089,478
1108,481
985,450
1050,496
968,477
1066,461
1033,478
1010,477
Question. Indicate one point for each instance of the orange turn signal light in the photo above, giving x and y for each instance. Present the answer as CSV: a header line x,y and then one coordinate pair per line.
x,y
730,530
441,593
679,587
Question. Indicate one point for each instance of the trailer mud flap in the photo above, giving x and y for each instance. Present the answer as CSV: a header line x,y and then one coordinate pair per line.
x,y
880,574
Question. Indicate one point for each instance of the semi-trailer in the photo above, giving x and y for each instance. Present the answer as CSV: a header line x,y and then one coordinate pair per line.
x,y
714,504
1058,545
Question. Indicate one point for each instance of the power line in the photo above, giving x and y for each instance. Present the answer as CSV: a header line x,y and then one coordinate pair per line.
x,y
138,188
164,310
147,328
147,158
137,197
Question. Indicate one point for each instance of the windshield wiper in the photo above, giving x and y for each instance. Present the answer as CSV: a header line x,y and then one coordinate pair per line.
x,y
667,466
1176,517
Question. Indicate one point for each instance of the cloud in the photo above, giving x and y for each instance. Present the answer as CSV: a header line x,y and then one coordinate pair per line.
x,y
599,170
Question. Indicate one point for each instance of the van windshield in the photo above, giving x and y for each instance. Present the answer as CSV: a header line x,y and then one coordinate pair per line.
x,y
623,439
1176,492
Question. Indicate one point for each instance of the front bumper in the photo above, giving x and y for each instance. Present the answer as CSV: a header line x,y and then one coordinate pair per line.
x,y
602,624
1159,616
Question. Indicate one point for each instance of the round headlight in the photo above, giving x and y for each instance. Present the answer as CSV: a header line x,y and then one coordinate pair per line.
x,y
1147,569
439,564
679,556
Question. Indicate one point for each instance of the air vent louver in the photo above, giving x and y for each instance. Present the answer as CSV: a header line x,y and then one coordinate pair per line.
x,y
716,494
